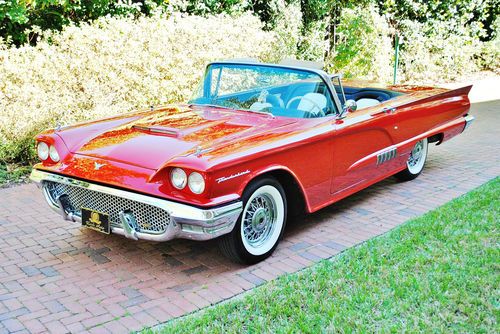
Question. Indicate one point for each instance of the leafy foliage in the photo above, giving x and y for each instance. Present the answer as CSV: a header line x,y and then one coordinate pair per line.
x,y
18,17
13,174
269,11
478,15
22,20
113,66
48,80
207,7
430,51
364,46
442,40
489,56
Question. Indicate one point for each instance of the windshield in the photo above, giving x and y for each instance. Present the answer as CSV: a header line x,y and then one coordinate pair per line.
x,y
261,88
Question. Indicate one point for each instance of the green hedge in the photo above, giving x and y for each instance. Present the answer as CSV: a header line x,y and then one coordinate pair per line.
x,y
19,17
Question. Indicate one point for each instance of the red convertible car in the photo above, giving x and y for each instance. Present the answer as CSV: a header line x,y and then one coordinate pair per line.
x,y
256,144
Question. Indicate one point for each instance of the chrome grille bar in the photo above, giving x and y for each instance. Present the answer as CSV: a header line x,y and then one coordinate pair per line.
x,y
150,219
133,215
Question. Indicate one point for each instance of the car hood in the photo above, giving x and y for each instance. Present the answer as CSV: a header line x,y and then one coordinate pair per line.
x,y
153,138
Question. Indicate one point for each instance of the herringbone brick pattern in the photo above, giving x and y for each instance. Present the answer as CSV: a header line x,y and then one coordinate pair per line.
x,y
56,277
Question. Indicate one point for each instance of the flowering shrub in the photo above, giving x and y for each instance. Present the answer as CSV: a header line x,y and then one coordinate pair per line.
x,y
489,57
18,17
288,30
364,49
115,65
313,43
432,53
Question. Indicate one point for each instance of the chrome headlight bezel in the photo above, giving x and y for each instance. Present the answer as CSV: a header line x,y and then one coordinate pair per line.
x,y
42,149
196,183
178,178
53,154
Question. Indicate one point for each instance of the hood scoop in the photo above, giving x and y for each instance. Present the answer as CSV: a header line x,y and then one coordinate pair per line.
x,y
159,130
207,126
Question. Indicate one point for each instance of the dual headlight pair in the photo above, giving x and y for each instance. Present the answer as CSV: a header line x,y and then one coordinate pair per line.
x,y
178,176
195,181
44,151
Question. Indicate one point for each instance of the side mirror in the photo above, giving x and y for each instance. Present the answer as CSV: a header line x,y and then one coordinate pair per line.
x,y
349,106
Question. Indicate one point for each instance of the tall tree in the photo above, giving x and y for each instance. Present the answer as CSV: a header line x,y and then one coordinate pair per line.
x,y
335,11
457,12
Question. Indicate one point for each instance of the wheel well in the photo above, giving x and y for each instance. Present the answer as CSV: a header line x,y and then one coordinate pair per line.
x,y
295,197
437,138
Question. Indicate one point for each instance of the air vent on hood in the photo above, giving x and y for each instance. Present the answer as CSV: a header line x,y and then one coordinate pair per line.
x,y
166,131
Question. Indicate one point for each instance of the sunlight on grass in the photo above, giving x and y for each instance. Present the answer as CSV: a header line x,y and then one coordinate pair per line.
x,y
438,272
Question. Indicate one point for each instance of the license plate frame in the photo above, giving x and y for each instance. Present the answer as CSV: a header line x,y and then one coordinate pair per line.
x,y
95,220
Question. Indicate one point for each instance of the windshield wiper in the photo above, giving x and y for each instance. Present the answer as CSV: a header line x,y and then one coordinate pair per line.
x,y
259,112
210,105
230,108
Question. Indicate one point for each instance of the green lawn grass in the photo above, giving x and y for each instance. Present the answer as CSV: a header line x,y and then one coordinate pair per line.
x,y
437,273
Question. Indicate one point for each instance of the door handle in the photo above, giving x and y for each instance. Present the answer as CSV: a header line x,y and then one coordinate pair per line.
x,y
387,111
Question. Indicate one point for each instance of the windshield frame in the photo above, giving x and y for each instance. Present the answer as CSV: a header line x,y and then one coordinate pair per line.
x,y
320,73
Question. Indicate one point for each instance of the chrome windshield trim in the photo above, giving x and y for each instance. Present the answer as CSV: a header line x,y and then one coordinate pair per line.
x,y
322,74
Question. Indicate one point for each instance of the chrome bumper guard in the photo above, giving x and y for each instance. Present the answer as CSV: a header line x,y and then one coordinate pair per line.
x,y
186,221
468,121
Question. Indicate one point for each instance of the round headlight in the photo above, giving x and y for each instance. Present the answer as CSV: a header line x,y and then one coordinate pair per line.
x,y
42,150
178,178
53,154
196,183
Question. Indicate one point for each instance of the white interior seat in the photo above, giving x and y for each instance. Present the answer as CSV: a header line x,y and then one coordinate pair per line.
x,y
365,103
311,101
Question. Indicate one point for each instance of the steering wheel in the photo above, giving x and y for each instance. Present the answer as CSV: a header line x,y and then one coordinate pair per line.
x,y
267,98
307,99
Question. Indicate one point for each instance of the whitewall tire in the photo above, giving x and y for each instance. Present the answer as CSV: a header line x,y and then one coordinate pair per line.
x,y
416,161
261,223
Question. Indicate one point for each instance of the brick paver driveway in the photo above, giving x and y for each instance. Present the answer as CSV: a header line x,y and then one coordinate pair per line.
x,y
56,277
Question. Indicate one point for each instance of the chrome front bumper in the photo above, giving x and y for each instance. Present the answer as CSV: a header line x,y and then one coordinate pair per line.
x,y
186,221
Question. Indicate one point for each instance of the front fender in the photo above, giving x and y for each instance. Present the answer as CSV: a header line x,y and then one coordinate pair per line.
x,y
267,170
234,180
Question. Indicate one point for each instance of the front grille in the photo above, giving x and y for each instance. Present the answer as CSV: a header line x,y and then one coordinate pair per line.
x,y
150,219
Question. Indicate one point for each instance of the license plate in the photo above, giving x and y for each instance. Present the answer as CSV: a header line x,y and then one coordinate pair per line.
x,y
95,220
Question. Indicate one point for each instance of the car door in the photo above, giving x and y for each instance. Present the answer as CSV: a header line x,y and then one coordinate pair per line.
x,y
363,149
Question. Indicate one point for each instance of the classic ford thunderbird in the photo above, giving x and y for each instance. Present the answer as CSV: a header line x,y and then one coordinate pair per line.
x,y
257,144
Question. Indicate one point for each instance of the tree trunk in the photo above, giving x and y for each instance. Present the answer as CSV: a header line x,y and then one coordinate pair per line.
x,y
333,23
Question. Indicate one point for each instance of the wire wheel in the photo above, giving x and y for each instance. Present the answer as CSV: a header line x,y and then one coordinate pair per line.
x,y
262,220
417,157
259,220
